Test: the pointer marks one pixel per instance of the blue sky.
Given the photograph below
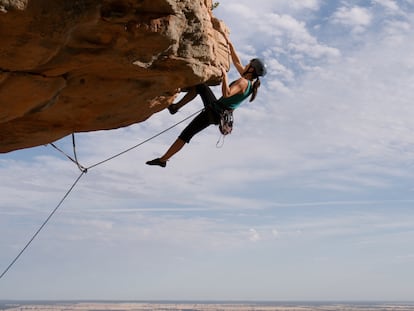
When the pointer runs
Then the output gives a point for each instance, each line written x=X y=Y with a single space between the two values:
x=311 y=197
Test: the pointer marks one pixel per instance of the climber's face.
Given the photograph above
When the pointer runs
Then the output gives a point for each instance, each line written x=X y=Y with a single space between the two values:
x=249 y=72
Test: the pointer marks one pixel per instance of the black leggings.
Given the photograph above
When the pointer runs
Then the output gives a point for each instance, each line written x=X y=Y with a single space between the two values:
x=205 y=118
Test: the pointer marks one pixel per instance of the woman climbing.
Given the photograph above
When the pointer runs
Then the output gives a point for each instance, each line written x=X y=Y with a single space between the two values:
x=233 y=95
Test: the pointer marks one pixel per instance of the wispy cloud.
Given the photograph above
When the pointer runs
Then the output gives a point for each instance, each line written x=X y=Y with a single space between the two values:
x=357 y=18
x=390 y=5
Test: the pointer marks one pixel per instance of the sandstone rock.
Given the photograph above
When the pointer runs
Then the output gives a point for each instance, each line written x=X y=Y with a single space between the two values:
x=85 y=65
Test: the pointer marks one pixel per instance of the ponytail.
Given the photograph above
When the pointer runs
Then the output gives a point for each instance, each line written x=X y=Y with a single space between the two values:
x=256 y=85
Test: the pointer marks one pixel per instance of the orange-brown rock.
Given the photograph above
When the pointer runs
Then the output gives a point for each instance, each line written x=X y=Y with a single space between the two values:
x=83 y=65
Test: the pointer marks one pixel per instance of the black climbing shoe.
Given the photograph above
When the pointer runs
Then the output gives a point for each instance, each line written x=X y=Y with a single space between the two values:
x=158 y=162
x=172 y=109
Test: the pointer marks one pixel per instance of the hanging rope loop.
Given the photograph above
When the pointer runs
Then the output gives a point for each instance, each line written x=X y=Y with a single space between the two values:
x=75 y=159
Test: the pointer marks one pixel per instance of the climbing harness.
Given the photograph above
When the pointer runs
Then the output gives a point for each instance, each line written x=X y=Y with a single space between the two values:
x=84 y=170
x=226 y=122
x=225 y=126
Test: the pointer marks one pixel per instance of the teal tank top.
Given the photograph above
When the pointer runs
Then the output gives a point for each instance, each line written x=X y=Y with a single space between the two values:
x=232 y=102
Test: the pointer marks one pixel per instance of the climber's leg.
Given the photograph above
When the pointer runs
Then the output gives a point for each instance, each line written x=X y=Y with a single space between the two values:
x=206 y=94
x=200 y=122
x=191 y=94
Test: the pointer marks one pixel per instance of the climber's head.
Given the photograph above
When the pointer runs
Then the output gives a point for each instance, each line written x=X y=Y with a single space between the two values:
x=258 y=66
x=255 y=69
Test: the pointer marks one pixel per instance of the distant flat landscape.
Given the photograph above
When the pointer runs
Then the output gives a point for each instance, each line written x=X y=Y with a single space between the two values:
x=204 y=306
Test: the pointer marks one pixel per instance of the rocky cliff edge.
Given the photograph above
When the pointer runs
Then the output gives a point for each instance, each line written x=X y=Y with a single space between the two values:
x=84 y=65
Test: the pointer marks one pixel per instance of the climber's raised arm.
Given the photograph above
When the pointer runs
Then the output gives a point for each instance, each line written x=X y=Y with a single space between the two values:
x=235 y=58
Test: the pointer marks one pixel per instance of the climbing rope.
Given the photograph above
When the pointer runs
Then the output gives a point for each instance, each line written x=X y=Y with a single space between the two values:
x=220 y=141
x=145 y=141
x=84 y=170
x=43 y=224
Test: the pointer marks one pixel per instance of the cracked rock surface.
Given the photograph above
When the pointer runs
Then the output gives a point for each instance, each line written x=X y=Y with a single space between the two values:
x=86 y=65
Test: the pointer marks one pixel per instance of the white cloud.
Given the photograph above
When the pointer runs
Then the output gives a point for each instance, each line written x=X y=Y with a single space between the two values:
x=357 y=18
x=275 y=233
x=276 y=34
x=304 y=4
x=390 y=5
x=395 y=31
x=254 y=236
x=266 y=6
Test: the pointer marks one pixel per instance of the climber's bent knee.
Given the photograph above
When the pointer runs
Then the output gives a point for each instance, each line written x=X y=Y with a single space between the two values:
x=184 y=138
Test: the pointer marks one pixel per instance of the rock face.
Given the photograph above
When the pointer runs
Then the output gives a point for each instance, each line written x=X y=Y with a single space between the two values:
x=83 y=65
